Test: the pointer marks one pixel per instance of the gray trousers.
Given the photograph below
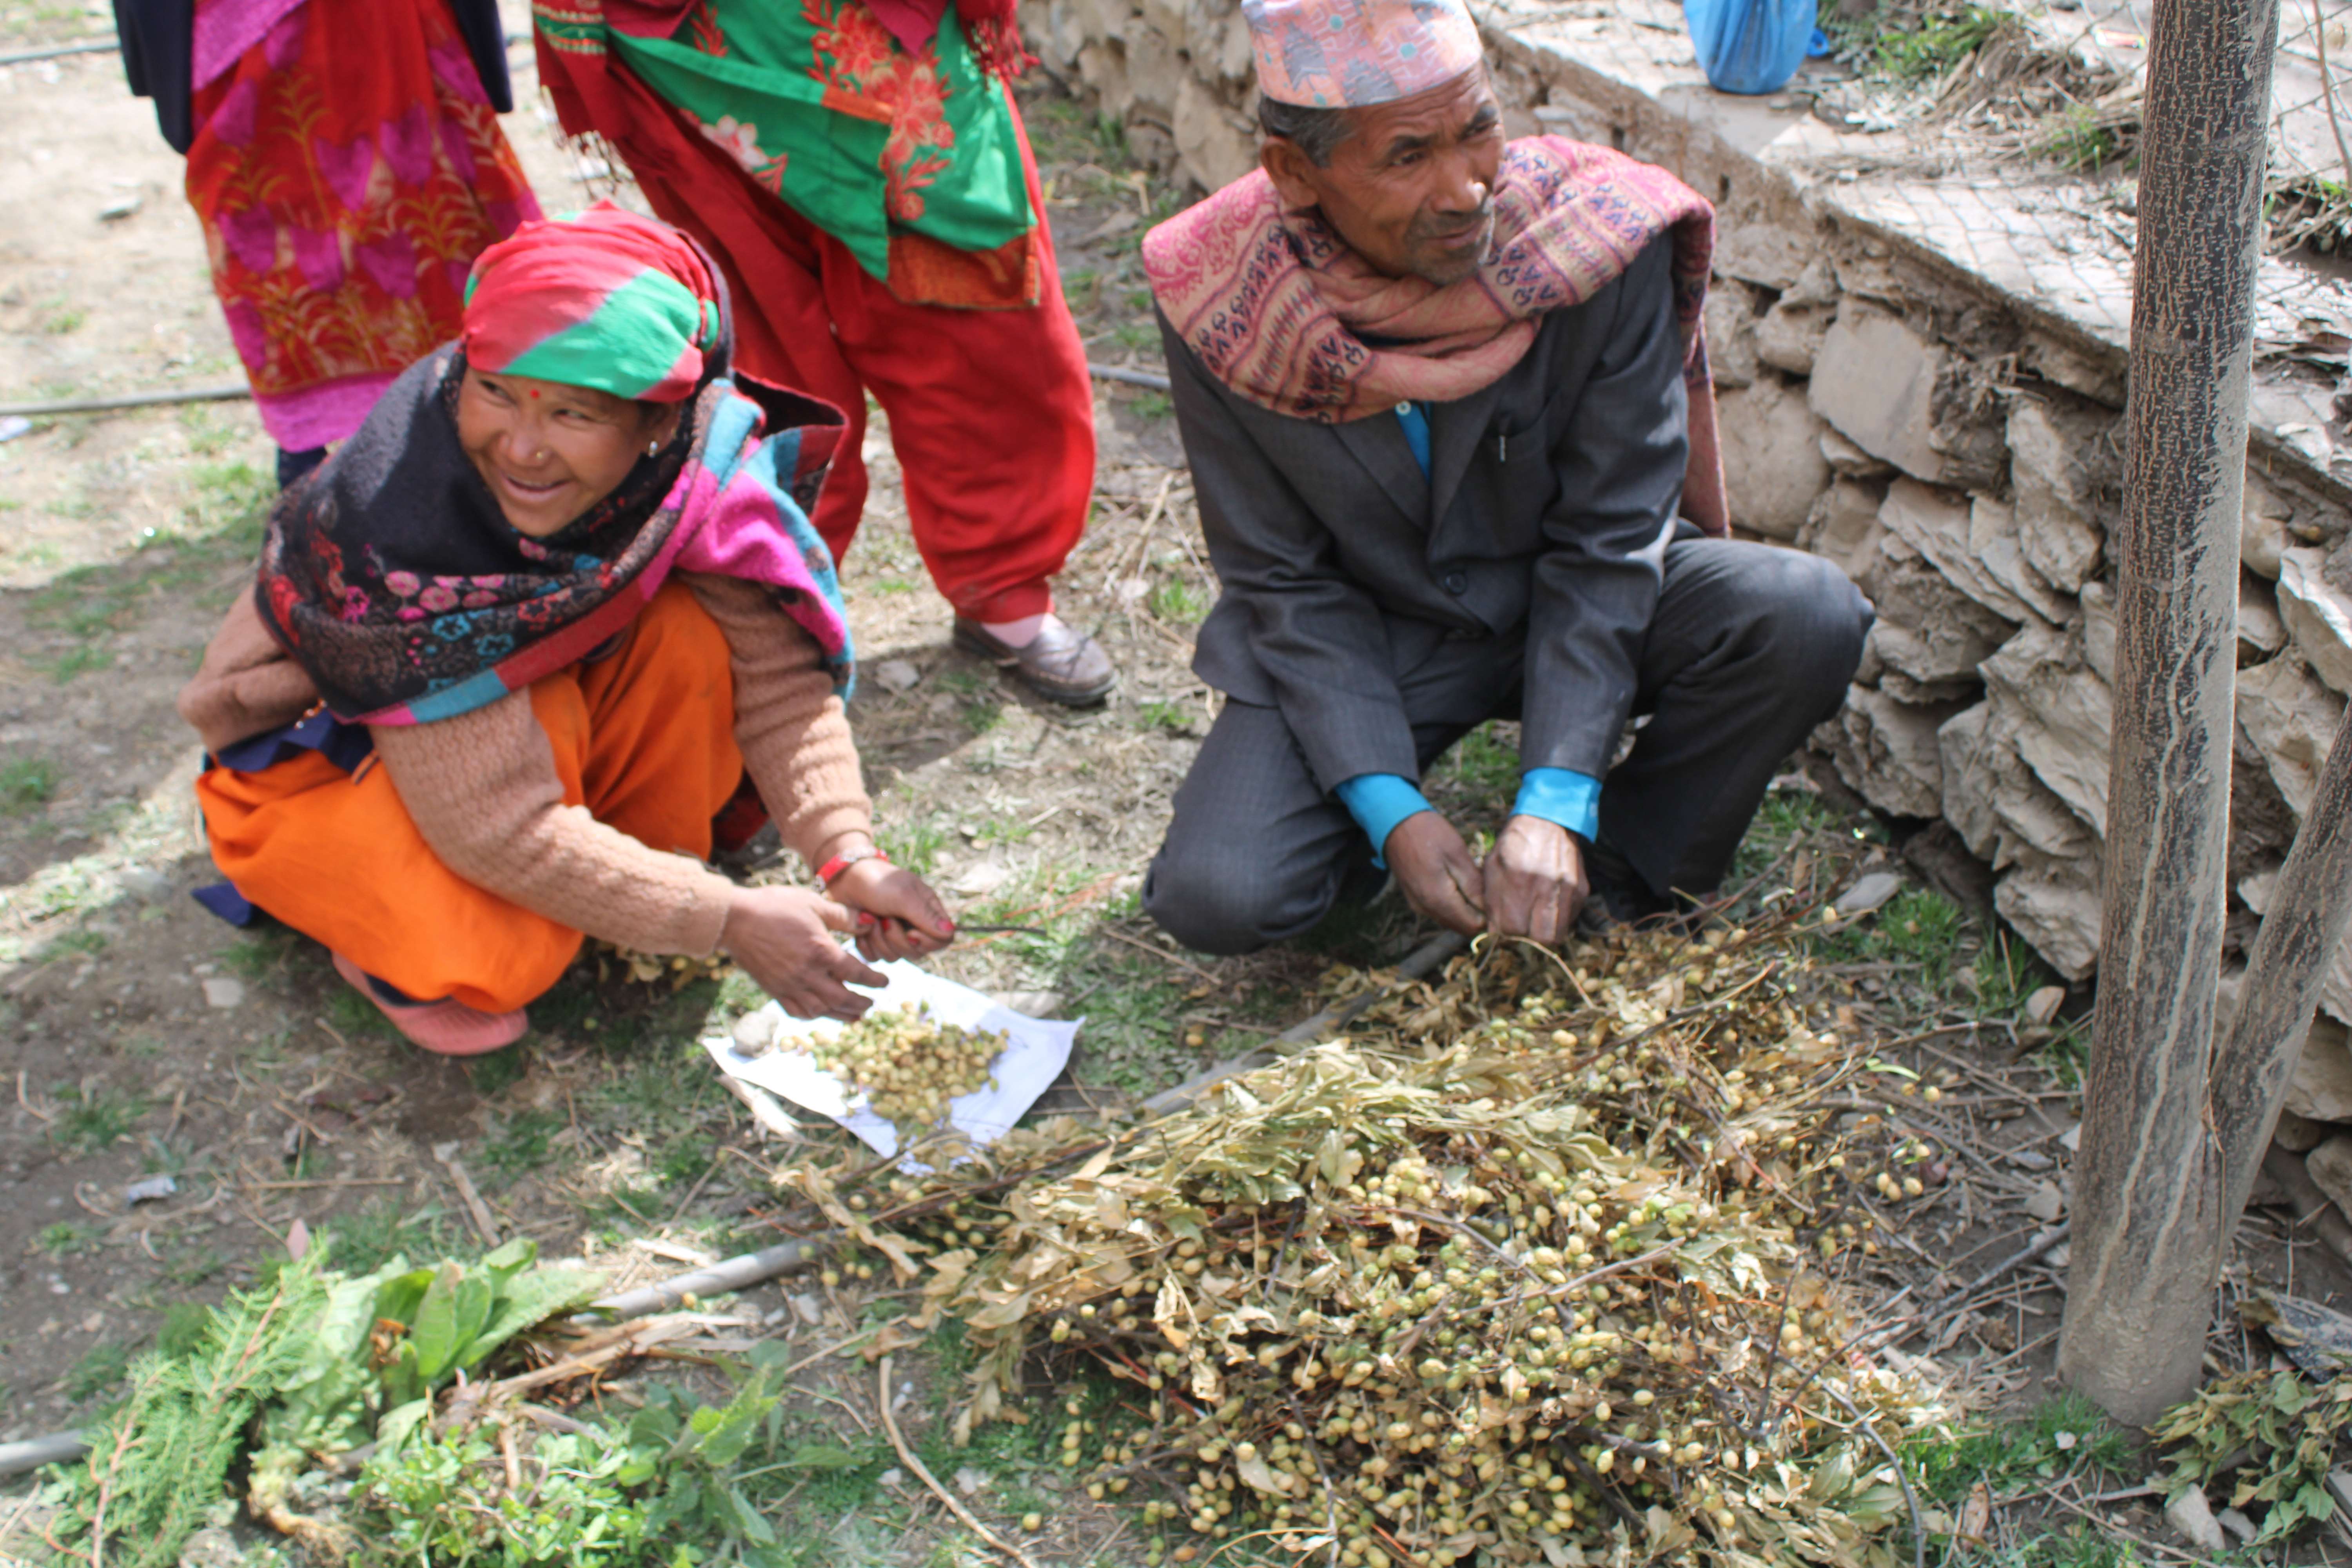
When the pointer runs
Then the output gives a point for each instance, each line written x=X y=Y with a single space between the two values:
x=1750 y=648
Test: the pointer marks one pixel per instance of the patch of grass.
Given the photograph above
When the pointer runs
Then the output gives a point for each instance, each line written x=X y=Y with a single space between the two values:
x=27 y=783
x=1147 y=406
x=887 y=586
x=352 y=1016
x=370 y=1238
x=190 y=1267
x=498 y=1071
x=208 y=432
x=1912 y=43
x=1482 y=765
x=61 y=319
x=1172 y=716
x=982 y=714
x=100 y=1369
x=89 y=1121
x=89 y=943
x=80 y=660
x=1179 y=603
x=66 y=1238
x=914 y=846
x=2075 y=138
x=1132 y=1038
x=521 y=1141
x=1002 y=830
x=231 y=498
x=259 y=951
x=2065 y=1435
x=1917 y=927
x=1787 y=817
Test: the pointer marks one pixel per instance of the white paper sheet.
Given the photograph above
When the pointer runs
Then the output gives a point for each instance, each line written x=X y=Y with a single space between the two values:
x=1035 y=1051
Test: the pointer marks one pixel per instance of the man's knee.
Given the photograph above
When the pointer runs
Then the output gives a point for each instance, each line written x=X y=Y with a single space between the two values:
x=1216 y=898
x=1809 y=621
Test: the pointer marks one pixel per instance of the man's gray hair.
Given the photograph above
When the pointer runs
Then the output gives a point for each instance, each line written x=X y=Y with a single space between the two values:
x=1317 y=131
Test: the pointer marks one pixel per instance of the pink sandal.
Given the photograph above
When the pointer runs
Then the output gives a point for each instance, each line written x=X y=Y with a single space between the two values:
x=446 y=1028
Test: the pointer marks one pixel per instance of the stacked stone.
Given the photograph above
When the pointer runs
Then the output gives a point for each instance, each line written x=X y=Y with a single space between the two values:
x=1175 y=73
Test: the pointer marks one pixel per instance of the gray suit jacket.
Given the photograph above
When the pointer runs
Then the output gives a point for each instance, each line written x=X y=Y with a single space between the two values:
x=1550 y=500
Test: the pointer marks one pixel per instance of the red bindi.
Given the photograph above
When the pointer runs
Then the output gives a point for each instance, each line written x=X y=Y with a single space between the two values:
x=534 y=392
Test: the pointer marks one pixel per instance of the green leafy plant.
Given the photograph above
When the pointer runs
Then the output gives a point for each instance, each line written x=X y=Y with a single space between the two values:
x=156 y=1464
x=2282 y=1428
x=686 y=1453
x=455 y=1315
x=432 y=1498
x=670 y=1487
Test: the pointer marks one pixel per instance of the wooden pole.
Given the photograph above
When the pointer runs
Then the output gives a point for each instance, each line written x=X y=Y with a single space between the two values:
x=2147 y=1211
x=2309 y=915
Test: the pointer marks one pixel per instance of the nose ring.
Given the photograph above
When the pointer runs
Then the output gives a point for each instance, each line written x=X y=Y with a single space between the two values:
x=540 y=455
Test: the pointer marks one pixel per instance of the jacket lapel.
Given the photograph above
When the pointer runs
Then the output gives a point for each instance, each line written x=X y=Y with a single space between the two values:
x=1456 y=430
x=1379 y=444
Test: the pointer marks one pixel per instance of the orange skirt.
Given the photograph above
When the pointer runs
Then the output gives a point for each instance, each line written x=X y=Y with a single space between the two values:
x=644 y=738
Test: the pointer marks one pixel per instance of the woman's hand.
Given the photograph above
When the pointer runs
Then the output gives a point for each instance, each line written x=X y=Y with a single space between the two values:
x=904 y=918
x=783 y=938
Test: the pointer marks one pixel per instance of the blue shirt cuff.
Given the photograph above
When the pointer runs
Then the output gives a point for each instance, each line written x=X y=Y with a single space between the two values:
x=1558 y=794
x=1379 y=801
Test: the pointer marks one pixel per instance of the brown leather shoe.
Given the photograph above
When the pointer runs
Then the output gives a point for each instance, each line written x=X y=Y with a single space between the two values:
x=1061 y=664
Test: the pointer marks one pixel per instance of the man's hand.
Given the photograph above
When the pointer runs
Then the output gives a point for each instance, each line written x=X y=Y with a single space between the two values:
x=1534 y=881
x=1435 y=868
x=783 y=939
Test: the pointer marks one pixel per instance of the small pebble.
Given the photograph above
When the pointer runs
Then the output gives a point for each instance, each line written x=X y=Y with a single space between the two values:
x=222 y=992
x=896 y=674
x=146 y=884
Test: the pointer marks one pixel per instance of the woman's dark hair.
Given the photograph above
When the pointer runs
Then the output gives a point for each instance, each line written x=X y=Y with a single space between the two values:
x=1317 y=131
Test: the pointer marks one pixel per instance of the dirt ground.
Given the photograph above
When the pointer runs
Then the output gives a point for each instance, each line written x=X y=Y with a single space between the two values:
x=176 y=1097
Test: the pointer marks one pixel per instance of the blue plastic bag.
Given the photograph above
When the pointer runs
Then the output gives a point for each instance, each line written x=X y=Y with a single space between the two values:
x=1750 y=46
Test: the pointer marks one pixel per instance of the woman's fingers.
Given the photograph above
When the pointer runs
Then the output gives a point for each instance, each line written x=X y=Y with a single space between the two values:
x=843 y=966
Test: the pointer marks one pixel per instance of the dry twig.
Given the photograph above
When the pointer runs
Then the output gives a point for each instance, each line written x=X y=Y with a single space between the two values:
x=906 y=1457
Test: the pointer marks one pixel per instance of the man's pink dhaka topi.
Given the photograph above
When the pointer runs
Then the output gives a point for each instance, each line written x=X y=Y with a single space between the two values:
x=1352 y=54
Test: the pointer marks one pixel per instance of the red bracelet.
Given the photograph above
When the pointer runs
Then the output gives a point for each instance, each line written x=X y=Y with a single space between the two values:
x=845 y=860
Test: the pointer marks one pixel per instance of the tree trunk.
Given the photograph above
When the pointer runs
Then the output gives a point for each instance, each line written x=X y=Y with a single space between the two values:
x=2147 y=1181
x=2301 y=936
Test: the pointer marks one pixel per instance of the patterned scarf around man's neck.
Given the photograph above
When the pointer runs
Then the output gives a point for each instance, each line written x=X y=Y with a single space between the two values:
x=396 y=582
x=1283 y=311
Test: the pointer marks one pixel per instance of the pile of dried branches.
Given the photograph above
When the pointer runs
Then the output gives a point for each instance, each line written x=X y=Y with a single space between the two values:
x=1535 y=1268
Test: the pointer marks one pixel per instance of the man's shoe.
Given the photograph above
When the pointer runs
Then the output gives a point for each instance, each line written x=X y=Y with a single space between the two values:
x=1061 y=664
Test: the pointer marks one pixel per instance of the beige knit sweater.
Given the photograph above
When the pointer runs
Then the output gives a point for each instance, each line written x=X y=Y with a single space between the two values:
x=483 y=791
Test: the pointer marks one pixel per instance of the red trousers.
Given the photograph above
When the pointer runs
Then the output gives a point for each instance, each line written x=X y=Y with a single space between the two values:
x=991 y=414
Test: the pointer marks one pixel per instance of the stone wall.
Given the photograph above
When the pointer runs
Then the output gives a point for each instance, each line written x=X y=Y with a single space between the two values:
x=1953 y=447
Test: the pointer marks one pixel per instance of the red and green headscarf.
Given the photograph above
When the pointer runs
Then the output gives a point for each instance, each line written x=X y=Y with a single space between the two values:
x=604 y=299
